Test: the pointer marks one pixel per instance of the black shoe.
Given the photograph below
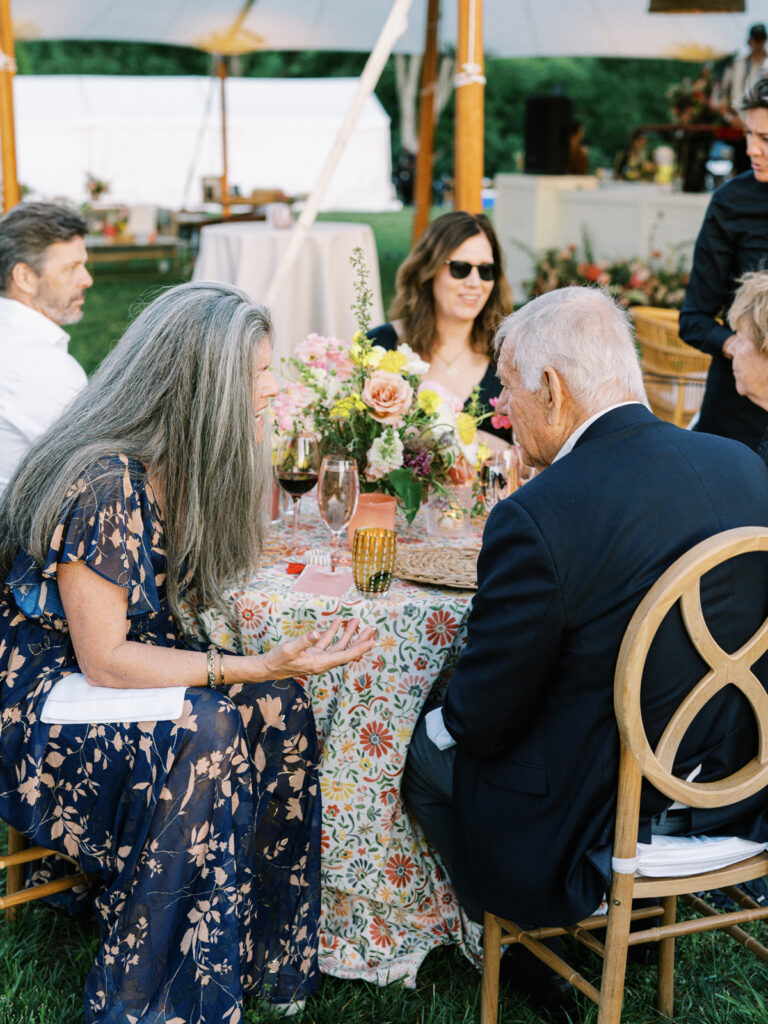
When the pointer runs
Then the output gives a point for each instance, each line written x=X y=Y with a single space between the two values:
x=533 y=979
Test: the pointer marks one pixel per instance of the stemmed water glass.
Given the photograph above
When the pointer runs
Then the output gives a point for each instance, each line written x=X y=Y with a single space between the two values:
x=498 y=477
x=337 y=493
x=296 y=469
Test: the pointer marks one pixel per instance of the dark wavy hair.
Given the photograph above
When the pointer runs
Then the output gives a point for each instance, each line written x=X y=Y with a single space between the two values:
x=414 y=302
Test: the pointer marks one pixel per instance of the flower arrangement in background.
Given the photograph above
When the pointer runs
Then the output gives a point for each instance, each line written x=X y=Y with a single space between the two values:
x=658 y=281
x=373 y=406
x=95 y=187
x=692 y=101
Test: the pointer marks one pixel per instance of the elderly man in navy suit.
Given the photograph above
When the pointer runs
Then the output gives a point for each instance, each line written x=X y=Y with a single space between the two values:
x=514 y=778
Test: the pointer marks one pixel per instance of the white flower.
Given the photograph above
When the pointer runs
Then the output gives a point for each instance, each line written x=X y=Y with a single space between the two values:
x=415 y=364
x=384 y=455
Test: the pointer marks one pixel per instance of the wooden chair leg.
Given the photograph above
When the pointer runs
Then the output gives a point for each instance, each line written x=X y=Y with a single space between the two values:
x=616 y=944
x=665 y=986
x=489 y=998
x=14 y=876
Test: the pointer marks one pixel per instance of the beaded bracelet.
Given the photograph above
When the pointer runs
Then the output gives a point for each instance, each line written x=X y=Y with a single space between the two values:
x=212 y=684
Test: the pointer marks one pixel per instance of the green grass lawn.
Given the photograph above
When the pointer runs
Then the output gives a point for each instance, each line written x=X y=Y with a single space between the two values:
x=45 y=956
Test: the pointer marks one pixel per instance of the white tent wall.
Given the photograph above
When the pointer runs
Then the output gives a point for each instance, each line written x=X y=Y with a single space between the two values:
x=143 y=136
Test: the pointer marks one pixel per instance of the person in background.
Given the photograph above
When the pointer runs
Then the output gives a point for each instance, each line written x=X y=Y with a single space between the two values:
x=182 y=781
x=43 y=281
x=636 y=163
x=740 y=75
x=733 y=240
x=451 y=295
x=577 y=150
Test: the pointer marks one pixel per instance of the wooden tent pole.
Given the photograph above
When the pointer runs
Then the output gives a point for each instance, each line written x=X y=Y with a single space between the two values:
x=221 y=71
x=470 y=94
x=11 y=195
x=425 y=158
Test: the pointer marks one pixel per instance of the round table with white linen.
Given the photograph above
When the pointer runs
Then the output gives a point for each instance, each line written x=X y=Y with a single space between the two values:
x=317 y=294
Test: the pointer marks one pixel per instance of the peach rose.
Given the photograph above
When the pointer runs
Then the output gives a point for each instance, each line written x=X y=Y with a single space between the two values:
x=388 y=396
x=461 y=472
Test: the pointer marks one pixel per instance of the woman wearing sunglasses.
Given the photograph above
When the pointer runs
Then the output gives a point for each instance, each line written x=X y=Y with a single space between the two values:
x=451 y=295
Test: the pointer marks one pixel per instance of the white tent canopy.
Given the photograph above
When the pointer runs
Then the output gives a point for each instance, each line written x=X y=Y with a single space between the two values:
x=149 y=136
x=512 y=28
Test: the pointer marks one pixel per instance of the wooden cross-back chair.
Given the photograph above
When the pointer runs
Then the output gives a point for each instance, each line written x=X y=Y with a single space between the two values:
x=680 y=582
x=675 y=374
x=19 y=854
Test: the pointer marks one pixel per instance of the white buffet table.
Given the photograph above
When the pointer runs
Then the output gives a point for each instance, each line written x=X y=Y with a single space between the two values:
x=319 y=290
x=535 y=212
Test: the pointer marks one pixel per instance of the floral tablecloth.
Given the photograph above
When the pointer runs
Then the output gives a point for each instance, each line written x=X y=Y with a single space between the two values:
x=386 y=898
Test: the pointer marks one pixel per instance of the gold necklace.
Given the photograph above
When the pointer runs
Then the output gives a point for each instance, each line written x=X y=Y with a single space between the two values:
x=450 y=369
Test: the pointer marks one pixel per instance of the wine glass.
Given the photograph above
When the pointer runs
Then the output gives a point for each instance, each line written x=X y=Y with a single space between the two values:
x=337 y=492
x=498 y=477
x=296 y=468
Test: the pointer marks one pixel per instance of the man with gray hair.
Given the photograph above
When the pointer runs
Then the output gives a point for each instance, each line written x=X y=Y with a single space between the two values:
x=513 y=779
x=43 y=280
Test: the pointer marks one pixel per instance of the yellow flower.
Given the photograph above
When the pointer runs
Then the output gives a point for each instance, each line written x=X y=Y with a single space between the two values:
x=428 y=401
x=344 y=408
x=361 y=355
x=483 y=454
x=466 y=427
x=393 y=362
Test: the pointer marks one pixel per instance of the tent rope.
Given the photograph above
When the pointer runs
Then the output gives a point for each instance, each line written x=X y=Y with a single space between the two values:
x=470 y=74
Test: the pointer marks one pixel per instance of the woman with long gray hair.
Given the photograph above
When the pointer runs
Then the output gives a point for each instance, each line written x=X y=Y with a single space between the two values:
x=182 y=781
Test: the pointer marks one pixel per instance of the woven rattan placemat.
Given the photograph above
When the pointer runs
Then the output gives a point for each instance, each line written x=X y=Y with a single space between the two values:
x=440 y=566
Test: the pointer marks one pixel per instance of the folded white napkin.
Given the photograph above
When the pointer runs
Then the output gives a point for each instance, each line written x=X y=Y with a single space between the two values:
x=73 y=701
x=436 y=730
x=692 y=855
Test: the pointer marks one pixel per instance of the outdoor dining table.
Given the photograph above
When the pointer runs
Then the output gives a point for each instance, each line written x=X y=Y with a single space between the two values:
x=386 y=899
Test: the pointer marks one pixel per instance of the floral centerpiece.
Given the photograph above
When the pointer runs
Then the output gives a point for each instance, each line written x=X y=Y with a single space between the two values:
x=372 y=405
x=658 y=281
x=692 y=100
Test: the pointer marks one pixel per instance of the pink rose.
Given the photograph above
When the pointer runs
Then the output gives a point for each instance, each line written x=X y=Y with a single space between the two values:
x=290 y=403
x=325 y=354
x=462 y=471
x=388 y=396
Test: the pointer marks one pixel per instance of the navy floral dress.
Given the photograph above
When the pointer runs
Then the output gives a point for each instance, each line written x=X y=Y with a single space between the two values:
x=201 y=835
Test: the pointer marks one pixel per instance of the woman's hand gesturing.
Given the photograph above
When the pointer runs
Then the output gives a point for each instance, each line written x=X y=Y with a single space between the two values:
x=315 y=652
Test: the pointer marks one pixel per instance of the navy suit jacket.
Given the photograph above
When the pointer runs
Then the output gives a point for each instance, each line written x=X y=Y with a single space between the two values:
x=565 y=562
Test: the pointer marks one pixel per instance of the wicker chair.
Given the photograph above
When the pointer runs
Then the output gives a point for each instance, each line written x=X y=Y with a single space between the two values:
x=675 y=374
x=680 y=583
x=19 y=854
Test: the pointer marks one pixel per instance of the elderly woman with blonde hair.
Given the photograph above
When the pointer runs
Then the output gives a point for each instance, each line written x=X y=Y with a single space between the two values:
x=182 y=781
x=748 y=318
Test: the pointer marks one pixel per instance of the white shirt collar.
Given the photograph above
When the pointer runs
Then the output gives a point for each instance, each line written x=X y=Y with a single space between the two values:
x=571 y=442
x=21 y=323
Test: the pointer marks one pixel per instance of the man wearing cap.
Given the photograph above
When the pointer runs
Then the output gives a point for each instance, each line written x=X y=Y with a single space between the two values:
x=740 y=74
x=43 y=280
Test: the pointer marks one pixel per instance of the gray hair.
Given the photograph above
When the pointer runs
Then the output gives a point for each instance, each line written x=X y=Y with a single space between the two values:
x=584 y=335
x=28 y=229
x=749 y=309
x=754 y=97
x=176 y=394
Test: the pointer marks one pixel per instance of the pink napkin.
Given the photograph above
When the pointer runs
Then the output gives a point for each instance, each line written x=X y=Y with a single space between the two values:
x=319 y=580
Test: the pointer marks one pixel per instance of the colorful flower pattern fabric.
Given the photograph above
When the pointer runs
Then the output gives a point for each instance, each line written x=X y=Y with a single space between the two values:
x=386 y=899
x=201 y=835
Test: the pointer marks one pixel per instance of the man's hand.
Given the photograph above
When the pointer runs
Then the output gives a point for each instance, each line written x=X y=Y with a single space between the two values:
x=750 y=370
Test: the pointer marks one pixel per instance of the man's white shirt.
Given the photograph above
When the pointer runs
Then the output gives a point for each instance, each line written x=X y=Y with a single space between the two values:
x=38 y=378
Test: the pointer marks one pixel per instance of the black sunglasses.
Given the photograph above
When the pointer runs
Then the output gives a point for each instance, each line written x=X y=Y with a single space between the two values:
x=461 y=269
